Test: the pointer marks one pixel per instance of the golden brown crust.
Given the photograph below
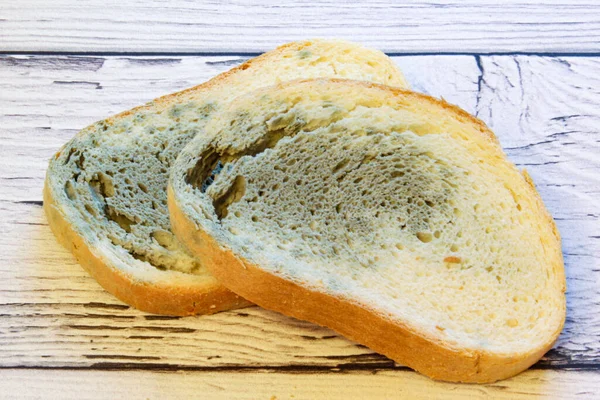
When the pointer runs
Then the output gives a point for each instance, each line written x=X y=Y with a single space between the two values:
x=168 y=298
x=252 y=63
x=168 y=99
x=457 y=112
x=158 y=298
x=428 y=355
x=555 y=260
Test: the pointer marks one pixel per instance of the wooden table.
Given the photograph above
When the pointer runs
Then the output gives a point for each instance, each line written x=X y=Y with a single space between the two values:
x=531 y=71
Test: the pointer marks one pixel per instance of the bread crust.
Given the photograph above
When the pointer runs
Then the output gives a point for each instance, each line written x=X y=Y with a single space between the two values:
x=429 y=355
x=170 y=296
x=161 y=103
x=165 y=292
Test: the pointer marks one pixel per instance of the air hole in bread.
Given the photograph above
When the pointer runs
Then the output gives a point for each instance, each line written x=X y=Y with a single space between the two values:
x=143 y=187
x=512 y=322
x=452 y=260
x=165 y=239
x=340 y=165
x=235 y=193
x=211 y=163
x=120 y=219
x=211 y=178
x=102 y=185
x=144 y=258
x=71 y=152
x=202 y=175
x=90 y=210
x=424 y=237
x=70 y=190
x=79 y=162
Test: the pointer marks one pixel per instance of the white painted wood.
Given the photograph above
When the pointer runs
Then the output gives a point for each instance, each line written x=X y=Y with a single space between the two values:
x=37 y=384
x=479 y=26
x=53 y=315
x=545 y=112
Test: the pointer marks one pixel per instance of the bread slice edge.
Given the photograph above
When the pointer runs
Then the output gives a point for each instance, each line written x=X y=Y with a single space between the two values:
x=428 y=355
x=173 y=293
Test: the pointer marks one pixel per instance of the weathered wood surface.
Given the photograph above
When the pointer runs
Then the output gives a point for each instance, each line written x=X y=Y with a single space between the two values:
x=546 y=114
x=53 y=316
x=481 y=26
x=79 y=385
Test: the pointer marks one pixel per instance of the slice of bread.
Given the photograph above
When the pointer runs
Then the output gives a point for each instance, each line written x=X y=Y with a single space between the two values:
x=105 y=190
x=389 y=216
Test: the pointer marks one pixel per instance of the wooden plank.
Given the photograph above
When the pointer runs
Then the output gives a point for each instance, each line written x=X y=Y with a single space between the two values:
x=545 y=111
x=417 y=26
x=69 y=384
x=53 y=315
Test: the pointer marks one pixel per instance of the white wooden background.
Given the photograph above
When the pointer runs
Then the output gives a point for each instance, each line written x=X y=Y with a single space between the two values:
x=531 y=70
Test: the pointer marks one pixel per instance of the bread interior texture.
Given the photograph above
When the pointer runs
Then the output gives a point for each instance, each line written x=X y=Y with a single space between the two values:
x=395 y=202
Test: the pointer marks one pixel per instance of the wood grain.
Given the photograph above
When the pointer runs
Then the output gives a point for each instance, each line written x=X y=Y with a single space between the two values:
x=481 y=26
x=74 y=384
x=546 y=113
x=53 y=316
